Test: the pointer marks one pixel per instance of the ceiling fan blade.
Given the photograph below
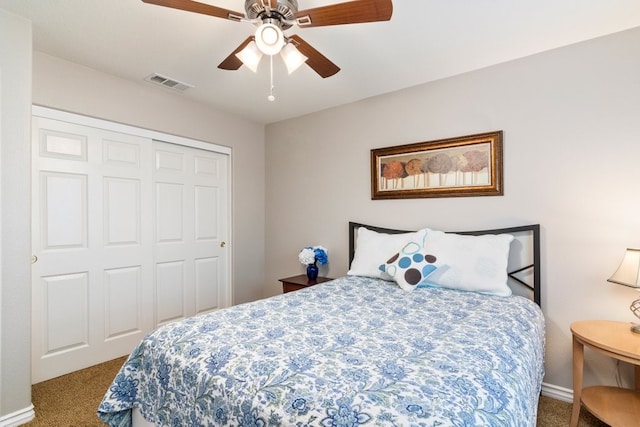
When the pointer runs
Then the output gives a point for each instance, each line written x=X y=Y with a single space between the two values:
x=317 y=61
x=351 y=12
x=232 y=62
x=196 y=7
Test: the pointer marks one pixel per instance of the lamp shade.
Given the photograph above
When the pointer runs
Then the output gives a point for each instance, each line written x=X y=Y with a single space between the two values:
x=292 y=57
x=250 y=56
x=628 y=272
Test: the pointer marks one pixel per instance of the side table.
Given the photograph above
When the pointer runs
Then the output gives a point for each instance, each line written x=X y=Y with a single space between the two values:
x=618 y=407
x=300 y=281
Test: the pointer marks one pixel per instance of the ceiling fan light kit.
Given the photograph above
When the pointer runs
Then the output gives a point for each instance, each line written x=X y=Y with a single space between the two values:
x=275 y=16
x=292 y=57
x=269 y=39
x=250 y=56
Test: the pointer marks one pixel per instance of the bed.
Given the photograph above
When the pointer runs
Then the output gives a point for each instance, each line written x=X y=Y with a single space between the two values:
x=360 y=349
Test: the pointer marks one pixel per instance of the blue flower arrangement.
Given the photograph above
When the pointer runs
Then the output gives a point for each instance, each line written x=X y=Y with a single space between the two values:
x=313 y=254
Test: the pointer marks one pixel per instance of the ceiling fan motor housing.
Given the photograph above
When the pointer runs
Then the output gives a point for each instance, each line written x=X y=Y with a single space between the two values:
x=285 y=10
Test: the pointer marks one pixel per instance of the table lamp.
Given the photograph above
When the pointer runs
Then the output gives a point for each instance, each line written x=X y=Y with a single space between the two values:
x=628 y=274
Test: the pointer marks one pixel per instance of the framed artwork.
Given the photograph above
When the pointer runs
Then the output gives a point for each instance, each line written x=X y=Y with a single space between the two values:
x=453 y=167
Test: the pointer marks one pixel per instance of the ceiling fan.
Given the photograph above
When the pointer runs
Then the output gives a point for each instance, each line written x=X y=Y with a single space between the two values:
x=272 y=17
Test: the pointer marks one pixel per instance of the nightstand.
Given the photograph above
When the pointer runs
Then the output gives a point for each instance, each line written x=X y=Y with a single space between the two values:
x=615 y=406
x=300 y=281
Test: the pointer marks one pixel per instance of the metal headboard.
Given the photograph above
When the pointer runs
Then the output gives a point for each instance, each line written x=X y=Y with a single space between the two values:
x=530 y=266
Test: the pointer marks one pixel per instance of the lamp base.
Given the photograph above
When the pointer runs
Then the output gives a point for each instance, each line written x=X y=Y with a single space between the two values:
x=635 y=309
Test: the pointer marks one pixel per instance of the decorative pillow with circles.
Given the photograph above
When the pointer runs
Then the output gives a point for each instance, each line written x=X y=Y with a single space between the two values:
x=411 y=265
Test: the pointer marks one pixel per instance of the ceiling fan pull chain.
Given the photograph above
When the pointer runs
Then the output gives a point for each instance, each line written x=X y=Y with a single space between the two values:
x=271 y=97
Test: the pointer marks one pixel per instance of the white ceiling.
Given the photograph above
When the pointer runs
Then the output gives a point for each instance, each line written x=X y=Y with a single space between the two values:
x=424 y=41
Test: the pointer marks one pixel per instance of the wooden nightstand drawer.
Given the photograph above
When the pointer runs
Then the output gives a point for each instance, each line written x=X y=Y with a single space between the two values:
x=300 y=281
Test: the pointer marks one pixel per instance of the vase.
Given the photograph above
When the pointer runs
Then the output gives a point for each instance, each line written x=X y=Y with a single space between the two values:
x=312 y=271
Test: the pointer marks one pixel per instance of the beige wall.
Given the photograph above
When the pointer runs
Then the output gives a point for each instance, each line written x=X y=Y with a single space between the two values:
x=66 y=86
x=571 y=150
x=15 y=266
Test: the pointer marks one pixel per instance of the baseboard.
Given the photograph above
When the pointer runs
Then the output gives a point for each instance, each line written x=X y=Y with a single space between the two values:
x=557 y=392
x=18 y=418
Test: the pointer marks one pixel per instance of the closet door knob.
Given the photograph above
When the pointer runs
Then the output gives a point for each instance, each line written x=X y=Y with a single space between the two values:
x=223 y=244
x=34 y=259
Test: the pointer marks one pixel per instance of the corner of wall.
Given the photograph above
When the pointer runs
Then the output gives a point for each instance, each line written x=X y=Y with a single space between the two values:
x=15 y=210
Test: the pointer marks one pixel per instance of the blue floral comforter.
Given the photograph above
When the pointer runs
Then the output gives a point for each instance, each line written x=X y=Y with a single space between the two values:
x=347 y=352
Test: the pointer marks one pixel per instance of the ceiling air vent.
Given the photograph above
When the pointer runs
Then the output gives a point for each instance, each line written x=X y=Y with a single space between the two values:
x=165 y=81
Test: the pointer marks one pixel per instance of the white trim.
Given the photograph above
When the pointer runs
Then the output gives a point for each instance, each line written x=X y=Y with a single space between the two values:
x=1 y=241
x=17 y=418
x=64 y=116
x=557 y=392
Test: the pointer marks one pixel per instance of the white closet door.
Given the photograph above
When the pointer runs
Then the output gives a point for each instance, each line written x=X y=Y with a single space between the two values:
x=190 y=190
x=124 y=241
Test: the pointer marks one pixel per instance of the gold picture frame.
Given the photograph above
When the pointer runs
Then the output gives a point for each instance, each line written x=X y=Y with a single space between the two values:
x=463 y=166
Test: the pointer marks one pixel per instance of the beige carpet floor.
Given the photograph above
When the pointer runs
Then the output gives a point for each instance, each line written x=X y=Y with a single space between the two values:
x=72 y=400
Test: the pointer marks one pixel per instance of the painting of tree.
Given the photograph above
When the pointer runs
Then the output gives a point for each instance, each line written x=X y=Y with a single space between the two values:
x=462 y=166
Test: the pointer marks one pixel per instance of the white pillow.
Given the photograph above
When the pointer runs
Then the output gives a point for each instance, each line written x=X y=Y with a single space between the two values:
x=373 y=249
x=470 y=263
x=411 y=265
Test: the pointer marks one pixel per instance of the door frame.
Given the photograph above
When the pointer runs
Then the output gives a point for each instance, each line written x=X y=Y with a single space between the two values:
x=79 y=119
